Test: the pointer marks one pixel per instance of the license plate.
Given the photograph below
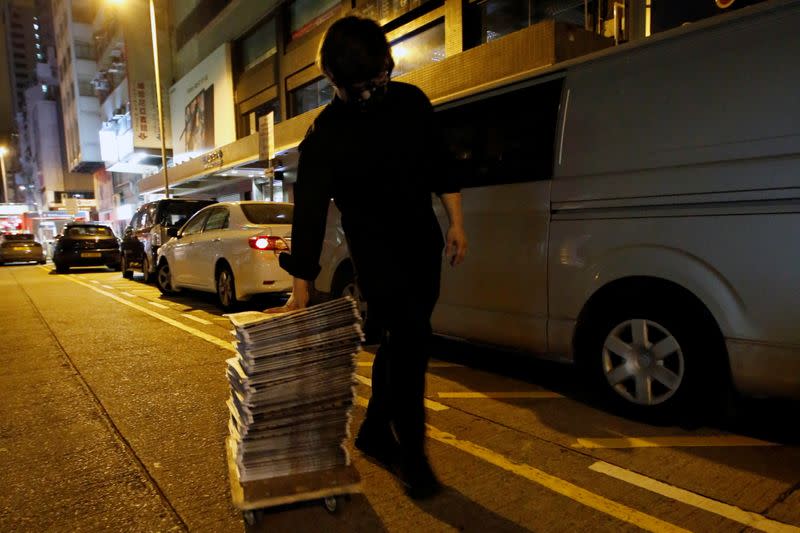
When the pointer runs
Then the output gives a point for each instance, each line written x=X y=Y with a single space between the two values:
x=18 y=248
x=91 y=254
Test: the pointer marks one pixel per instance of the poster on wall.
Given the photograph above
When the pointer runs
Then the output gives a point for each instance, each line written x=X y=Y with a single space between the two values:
x=202 y=107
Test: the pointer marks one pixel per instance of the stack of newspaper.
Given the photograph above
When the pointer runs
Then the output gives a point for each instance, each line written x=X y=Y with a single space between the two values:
x=292 y=388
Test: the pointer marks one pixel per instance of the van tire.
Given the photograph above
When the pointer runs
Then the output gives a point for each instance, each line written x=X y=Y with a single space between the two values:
x=62 y=268
x=148 y=275
x=164 y=279
x=652 y=356
x=123 y=266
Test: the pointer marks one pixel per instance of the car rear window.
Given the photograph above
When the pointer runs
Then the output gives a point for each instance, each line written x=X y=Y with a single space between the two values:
x=19 y=237
x=268 y=213
x=91 y=231
x=177 y=213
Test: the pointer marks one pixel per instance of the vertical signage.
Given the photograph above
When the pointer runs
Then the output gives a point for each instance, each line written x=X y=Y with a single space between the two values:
x=266 y=137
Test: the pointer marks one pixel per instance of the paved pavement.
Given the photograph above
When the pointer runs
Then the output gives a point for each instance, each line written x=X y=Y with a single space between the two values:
x=113 y=418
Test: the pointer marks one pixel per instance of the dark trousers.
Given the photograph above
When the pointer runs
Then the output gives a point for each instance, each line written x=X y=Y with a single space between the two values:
x=400 y=301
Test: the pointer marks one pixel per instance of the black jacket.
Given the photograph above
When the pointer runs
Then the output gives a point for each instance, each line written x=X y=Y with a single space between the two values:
x=380 y=167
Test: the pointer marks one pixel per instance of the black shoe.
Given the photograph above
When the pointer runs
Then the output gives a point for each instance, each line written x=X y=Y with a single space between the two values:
x=418 y=478
x=380 y=446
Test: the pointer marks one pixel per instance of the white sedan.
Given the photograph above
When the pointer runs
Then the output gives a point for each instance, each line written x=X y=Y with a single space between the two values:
x=230 y=248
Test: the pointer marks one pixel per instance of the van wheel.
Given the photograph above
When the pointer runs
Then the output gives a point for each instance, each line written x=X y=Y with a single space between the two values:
x=148 y=274
x=164 y=279
x=127 y=273
x=226 y=289
x=62 y=268
x=344 y=284
x=651 y=359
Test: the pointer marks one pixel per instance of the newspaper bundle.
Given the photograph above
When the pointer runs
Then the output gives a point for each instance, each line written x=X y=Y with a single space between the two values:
x=292 y=388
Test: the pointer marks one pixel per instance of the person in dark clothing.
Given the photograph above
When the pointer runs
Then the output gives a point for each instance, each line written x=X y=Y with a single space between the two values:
x=376 y=151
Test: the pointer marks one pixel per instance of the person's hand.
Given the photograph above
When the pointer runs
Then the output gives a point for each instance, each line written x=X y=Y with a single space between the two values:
x=301 y=293
x=456 y=245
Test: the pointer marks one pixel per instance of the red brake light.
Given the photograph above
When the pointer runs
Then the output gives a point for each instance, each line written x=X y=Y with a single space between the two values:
x=268 y=242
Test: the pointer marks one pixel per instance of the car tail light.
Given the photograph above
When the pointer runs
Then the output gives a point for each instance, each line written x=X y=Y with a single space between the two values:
x=268 y=242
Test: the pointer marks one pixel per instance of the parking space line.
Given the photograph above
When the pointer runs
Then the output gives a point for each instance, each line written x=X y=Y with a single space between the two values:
x=430 y=404
x=160 y=306
x=730 y=512
x=200 y=320
x=533 y=395
x=672 y=442
x=108 y=287
x=225 y=345
x=94 y=281
x=128 y=294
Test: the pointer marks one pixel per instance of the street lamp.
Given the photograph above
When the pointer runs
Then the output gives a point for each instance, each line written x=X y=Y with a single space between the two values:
x=3 y=152
x=158 y=92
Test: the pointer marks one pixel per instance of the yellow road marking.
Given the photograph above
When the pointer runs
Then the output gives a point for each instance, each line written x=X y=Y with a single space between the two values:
x=558 y=485
x=94 y=281
x=202 y=321
x=108 y=287
x=430 y=404
x=536 y=395
x=671 y=442
x=156 y=304
x=731 y=512
x=128 y=294
x=225 y=345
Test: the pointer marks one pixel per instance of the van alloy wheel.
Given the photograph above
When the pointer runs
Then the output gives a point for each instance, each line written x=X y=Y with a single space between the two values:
x=643 y=362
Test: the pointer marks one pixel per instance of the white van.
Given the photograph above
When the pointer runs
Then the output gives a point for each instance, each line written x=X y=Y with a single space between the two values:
x=637 y=211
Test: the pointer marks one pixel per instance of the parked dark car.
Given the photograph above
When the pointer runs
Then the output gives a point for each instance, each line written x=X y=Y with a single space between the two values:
x=20 y=248
x=86 y=244
x=148 y=230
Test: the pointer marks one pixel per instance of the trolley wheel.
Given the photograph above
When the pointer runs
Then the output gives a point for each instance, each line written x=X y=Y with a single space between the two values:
x=331 y=503
x=252 y=517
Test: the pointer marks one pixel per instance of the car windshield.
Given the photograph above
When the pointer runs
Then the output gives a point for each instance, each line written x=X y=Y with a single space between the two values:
x=177 y=213
x=89 y=231
x=19 y=237
x=268 y=213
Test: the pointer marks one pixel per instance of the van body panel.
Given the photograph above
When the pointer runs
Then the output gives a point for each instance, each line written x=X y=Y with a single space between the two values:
x=728 y=92
x=499 y=294
x=762 y=369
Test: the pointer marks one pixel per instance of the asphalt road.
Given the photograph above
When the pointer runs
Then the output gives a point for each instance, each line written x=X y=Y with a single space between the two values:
x=113 y=418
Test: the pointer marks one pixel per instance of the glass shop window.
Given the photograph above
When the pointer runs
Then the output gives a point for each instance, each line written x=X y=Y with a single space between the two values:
x=418 y=49
x=310 y=96
x=259 y=45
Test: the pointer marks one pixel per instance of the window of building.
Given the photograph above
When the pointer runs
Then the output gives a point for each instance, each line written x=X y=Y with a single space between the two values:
x=494 y=141
x=310 y=96
x=418 y=49
x=84 y=51
x=258 y=45
x=251 y=117
x=305 y=15
x=487 y=20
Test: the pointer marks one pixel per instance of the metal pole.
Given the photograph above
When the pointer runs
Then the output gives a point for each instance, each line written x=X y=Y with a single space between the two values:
x=158 y=97
x=3 y=166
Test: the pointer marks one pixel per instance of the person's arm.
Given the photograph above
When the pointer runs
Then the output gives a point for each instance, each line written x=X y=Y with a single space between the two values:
x=312 y=194
x=456 y=238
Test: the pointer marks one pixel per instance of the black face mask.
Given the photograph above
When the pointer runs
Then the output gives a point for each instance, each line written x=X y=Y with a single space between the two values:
x=374 y=90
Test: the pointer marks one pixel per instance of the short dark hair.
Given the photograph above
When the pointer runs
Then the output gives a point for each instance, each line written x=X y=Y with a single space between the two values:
x=353 y=50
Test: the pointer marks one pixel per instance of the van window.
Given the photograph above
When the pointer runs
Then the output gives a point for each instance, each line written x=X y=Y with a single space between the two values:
x=175 y=213
x=506 y=138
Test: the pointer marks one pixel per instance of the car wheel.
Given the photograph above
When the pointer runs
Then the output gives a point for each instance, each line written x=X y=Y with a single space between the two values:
x=652 y=359
x=146 y=271
x=344 y=284
x=62 y=268
x=123 y=266
x=164 y=279
x=226 y=289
